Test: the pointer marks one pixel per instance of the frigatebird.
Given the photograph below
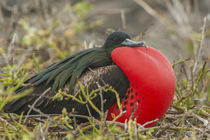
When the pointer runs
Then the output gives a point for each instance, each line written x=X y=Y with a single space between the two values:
x=129 y=67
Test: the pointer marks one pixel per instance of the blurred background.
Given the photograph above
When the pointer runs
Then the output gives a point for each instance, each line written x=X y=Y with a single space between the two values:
x=52 y=29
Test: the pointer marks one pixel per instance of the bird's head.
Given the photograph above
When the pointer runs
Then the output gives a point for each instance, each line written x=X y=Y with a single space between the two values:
x=120 y=39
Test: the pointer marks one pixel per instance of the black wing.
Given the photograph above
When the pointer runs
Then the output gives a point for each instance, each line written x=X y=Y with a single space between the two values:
x=70 y=69
x=110 y=75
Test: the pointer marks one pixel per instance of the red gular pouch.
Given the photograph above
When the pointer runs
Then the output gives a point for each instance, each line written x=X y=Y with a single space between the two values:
x=152 y=84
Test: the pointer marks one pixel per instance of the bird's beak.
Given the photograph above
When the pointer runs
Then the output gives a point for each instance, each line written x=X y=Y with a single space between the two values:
x=130 y=43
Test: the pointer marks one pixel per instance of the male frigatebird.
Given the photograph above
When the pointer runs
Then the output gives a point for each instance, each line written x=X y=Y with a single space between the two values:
x=141 y=75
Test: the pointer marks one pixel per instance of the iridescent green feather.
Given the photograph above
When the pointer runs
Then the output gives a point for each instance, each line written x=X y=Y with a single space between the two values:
x=71 y=68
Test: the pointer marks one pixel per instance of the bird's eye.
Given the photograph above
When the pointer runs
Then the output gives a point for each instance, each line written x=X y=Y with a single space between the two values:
x=115 y=39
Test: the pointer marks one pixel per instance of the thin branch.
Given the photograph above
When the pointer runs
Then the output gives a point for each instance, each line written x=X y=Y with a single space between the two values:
x=152 y=12
x=149 y=122
x=134 y=110
x=201 y=44
x=33 y=105
x=7 y=123
x=41 y=132
x=205 y=122
x=123 y=19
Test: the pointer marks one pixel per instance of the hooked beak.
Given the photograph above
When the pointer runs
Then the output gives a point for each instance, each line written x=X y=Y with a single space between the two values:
x=130 y=43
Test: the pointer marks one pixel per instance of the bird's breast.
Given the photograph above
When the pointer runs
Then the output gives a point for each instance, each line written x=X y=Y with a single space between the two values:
x=152 y=83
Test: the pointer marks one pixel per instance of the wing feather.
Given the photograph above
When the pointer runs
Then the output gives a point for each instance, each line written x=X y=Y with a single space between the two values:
x=58 y=75
x=108 y=75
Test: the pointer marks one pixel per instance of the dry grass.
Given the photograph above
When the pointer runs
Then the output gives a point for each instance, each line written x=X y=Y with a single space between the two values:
x=31 y=46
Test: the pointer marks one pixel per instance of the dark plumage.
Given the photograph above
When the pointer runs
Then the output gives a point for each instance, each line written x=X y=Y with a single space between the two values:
x=90 y=67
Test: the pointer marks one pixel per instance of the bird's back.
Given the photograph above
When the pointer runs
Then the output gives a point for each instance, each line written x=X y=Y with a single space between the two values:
x=99 y=79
